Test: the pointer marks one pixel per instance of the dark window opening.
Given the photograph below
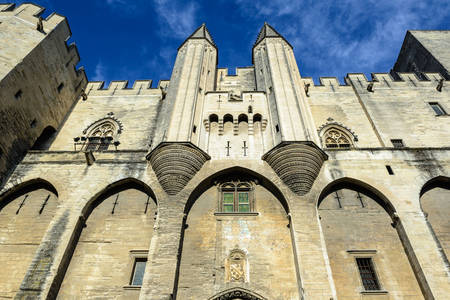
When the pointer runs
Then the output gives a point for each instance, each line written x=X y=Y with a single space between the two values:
x=389 y=169
x=277 y=128
x=138 y=271
x=18 y=94
x=242 y=118
x=367 y=273
x=60 y=87
x=397 y=143
x=33 y=123
x=213 y=118
x=228 y=118
x=194 y=129
x=45 y=139
x=439 y=111
x=257 y=118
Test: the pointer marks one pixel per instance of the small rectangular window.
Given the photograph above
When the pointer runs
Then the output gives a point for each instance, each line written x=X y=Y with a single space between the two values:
x=439 y=111
x=397 y=143
x=138 y=271
x=33 y=123
x=194 y=129
x=277 y=128
x=60 y=87
x=18 y=94
x=367 y=272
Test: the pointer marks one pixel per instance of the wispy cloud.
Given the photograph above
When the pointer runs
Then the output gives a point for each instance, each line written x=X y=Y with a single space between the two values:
x=349 y=35
x=100 y=72
x=177 y=18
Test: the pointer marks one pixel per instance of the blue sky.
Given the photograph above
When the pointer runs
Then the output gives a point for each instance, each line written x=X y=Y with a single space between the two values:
x=129 y=40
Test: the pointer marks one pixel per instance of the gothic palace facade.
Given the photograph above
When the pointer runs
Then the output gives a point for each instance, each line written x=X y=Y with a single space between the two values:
x=259 y=185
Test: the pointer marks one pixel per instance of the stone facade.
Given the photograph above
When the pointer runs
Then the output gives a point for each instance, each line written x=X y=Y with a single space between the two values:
x=259 y=185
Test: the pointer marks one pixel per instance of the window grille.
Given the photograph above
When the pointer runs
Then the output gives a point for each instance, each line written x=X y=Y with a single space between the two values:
x=236 y=197
x=397 y=143
x=366 y=271
x=336 y=139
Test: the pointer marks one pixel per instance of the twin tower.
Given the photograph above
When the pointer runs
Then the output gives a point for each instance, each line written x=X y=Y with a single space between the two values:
x=197 y=96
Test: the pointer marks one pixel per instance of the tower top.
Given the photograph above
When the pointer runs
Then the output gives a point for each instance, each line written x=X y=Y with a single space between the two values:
x=268 y=31
x=201 y=33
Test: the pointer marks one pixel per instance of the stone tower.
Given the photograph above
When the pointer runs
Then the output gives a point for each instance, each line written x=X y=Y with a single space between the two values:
x=39 y=81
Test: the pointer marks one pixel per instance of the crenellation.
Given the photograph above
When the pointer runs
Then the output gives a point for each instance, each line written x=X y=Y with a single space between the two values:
x=122 y=87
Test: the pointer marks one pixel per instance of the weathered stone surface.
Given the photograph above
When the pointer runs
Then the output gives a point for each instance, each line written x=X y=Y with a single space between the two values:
x=177 y=143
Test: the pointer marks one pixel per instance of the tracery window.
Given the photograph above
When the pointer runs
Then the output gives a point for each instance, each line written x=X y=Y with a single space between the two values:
x=100 y=137
x=334 y=138
x=236 y=197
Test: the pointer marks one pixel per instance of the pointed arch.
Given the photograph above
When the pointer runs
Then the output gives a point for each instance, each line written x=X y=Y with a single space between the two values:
x=439 y=181
x=235 y=172
x=336 y=135
x=88 y=213
x=25 y=187
x=101 y=133
x=358 y=186
x=114 y=188
x=239 y=293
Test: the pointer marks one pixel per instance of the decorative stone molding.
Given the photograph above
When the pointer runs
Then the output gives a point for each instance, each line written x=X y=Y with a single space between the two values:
x=297 y=164
x=331 y=122
x=237 y=293
x=175 y=163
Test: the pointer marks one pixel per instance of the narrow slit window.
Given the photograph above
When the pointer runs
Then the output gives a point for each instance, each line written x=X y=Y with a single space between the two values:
x=194 y=129
x=389 y=169
x=438 y=110
x=60 y=87
x=397 y=143
x=277 y=128
x=18 y=94
x=138 y=271
x=367 y=272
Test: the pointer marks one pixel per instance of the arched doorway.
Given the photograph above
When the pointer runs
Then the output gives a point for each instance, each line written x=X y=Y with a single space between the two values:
x=110 y=256
x=364 y=249
x=435 y=203
x=25 y=213
x=237 y=233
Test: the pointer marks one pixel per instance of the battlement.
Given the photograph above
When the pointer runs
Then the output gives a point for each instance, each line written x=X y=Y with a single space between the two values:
x=30 y=12
x=121 y=87
x=402 y=80
x=330 y=84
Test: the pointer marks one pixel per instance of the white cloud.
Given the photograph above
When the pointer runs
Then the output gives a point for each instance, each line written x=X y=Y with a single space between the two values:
x=349 y=35
x=177 y=18
x=100 y=72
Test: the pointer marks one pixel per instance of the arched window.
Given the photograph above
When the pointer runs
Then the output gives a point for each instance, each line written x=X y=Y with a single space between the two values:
x=213 y=118
x=257 y=118
x=227 y=118
x=101 y=134
x=335 y=138
x=236 y=197
x=100 y=137
x=242 y=118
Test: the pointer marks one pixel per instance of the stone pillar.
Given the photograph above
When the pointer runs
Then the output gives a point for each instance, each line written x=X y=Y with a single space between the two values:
x=161 y=275
x=423 y=254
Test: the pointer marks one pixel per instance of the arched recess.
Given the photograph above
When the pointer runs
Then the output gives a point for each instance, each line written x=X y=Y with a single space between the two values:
x=114 y=233
x=25 y=213
x=44 y=141
x=237 y=293
x=365 y=239
x=213 y=236
x=435 y=203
